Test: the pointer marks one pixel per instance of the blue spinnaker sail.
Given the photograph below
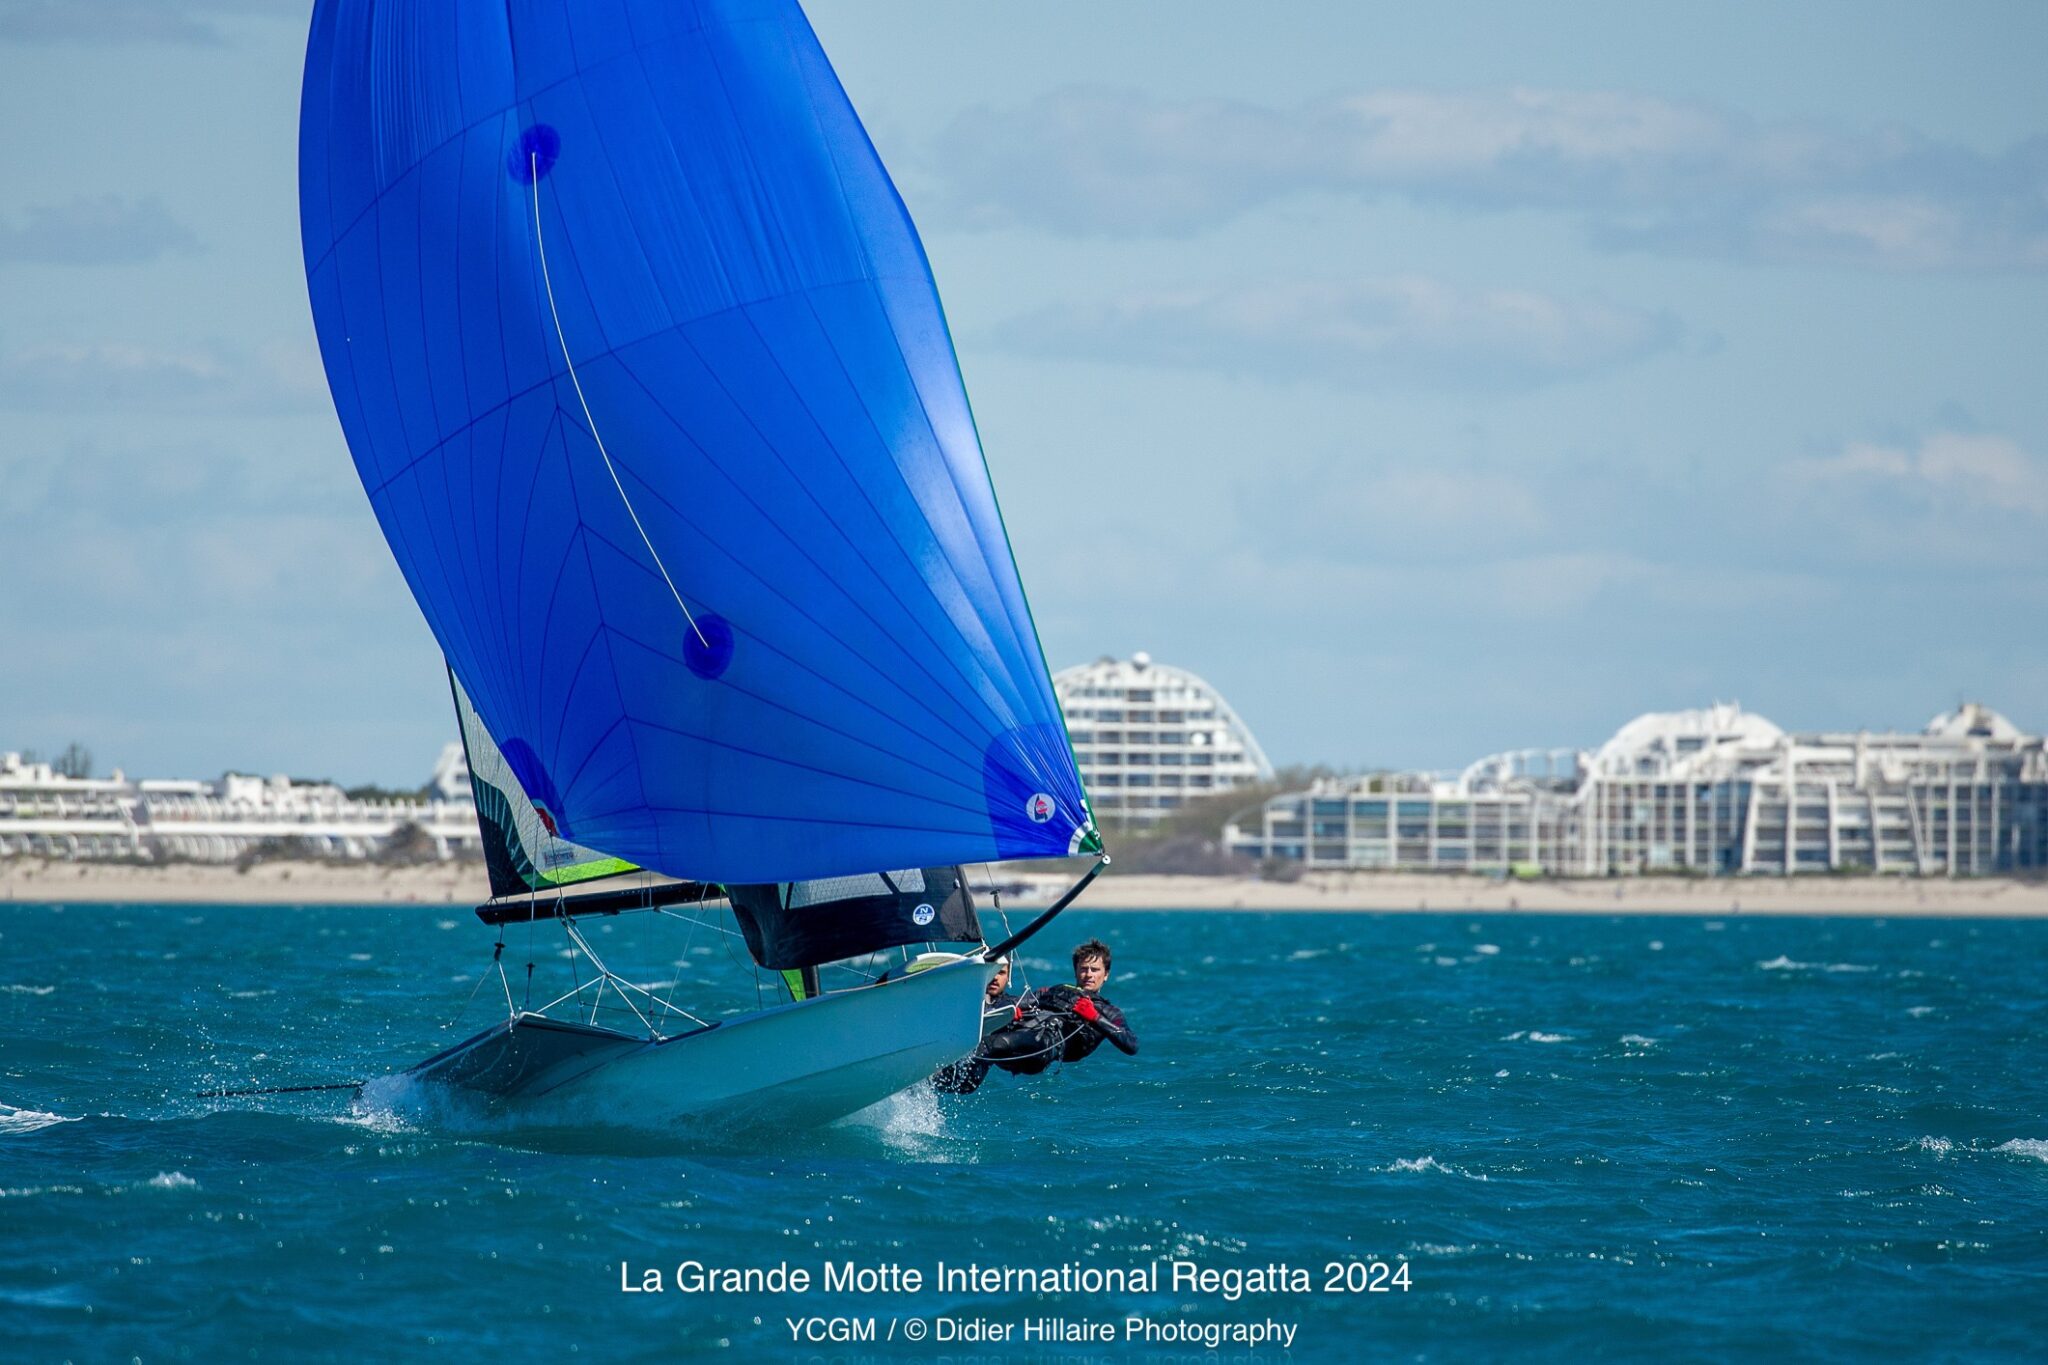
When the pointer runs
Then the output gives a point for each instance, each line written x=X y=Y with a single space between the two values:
x=642 y=365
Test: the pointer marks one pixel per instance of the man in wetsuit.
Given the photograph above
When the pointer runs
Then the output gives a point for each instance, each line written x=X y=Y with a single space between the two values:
x=1053 y=1023
x=999 y=994
x=999 y=1002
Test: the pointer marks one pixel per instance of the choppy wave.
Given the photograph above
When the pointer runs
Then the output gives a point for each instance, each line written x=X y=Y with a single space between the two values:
x=57 y=1296
x=1252 y=1144
x=911 y=1122
x=1781 y=963
x=14 y=1120
x=28 y=990
x=1423 y=1164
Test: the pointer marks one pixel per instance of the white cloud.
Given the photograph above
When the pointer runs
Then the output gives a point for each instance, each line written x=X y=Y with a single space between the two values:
x=1639 y=171
x=1409 y=511
x=96 y=230
x=1486 y=590
x=1954 y=503
x=123 y=22
x=1354 y=334
x=1975 y=472
x=96 y=377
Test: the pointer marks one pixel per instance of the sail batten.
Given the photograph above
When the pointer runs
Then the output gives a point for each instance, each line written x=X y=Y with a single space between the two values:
x=641 y=362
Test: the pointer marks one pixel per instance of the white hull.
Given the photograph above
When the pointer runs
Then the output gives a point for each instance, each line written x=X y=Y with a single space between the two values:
x=794 y=1065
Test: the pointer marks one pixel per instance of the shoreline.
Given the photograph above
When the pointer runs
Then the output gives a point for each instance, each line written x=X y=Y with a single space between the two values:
x=461 y=885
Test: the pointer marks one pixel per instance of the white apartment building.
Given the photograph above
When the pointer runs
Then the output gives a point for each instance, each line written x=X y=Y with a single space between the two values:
x=43 y=812
x=1149 y=737
x=1715 y=791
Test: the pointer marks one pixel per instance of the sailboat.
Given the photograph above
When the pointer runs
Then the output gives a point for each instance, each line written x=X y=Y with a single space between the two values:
x=641 y=362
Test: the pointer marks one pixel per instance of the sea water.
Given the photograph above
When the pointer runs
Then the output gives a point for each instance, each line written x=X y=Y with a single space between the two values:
x=1822 y=1139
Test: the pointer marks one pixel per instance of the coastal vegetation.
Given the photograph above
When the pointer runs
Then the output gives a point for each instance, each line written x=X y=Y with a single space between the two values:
x=1189 y=841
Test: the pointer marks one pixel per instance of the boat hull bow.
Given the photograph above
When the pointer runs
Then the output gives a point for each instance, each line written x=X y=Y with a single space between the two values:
x=795 y=1065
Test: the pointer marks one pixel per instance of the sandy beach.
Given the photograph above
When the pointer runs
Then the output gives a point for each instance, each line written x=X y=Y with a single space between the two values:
x=463 y=884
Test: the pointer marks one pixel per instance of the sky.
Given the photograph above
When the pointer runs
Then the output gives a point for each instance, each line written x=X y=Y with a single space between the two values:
x=1433 y=380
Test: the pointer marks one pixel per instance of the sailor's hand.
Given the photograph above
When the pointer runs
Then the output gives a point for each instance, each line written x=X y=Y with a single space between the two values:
x=1085 y=1007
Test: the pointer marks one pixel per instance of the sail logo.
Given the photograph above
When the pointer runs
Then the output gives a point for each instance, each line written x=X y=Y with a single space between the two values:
x=1040 y=808
x=924 y=914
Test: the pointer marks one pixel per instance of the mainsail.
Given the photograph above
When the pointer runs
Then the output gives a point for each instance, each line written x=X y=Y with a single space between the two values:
x=643 y=368
x=523 y=851
x=806 y=924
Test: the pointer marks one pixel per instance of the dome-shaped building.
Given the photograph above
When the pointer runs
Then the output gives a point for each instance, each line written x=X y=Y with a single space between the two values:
x=1972 y=720
x=1150 y=738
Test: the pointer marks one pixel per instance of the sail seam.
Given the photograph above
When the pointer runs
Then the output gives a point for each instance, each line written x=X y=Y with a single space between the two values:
x=541 y=247
x=993 y=725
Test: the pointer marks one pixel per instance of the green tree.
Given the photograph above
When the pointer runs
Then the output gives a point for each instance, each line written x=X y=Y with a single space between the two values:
x=1190 y=839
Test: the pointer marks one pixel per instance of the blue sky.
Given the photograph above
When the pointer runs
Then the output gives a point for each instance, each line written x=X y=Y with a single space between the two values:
x=1434 y=381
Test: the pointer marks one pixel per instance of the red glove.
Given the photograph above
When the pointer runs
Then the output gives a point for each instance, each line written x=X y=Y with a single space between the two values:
x=1085 y=1007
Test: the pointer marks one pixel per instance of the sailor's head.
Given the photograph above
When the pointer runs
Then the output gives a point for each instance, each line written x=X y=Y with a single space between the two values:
x=1000 y=982
x=1091 y=965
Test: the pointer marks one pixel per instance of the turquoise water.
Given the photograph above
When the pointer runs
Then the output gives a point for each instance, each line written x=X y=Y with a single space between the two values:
x=1811 y=1139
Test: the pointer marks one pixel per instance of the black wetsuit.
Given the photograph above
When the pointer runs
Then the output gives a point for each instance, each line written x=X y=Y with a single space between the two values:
x=1047 y=1030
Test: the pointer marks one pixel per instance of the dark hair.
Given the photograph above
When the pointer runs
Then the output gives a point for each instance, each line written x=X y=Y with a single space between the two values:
x=1094 y=947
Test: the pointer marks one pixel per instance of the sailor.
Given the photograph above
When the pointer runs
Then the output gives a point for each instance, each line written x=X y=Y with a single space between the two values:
x=1053 y=1023
x=999 y=996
